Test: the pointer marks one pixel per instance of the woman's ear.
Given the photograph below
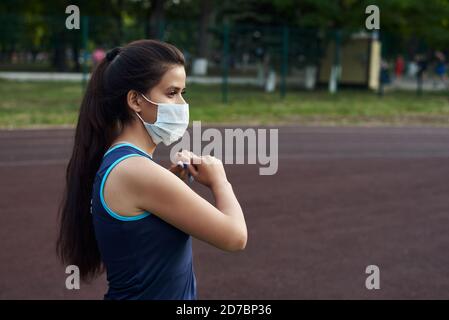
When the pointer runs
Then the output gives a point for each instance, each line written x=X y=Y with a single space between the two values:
x=134 y=100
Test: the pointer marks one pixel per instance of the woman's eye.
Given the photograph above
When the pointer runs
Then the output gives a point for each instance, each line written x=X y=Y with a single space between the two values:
x=173 y=93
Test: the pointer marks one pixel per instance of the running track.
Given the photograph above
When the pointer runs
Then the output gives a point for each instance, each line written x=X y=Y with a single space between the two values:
x=343 y=199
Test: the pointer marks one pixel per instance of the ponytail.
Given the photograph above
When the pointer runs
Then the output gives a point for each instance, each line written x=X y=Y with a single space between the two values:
x=76 y=244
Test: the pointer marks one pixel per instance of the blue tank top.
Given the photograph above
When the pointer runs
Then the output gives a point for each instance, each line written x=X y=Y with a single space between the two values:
x=145 y=257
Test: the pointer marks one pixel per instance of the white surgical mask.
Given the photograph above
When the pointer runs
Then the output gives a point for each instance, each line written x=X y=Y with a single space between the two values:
x=171 y=122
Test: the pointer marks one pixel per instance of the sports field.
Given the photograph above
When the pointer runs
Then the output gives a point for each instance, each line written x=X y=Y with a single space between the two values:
x=342 y=199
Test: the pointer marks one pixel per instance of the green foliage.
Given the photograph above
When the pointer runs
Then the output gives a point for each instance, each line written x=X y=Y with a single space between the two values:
x=38 y=24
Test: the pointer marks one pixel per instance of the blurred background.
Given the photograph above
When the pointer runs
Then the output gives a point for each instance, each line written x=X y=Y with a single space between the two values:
x=363 y=137
x=258 y=52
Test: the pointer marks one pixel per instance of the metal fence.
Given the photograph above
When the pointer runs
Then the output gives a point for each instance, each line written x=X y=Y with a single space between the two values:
x=244 y=54
x=269 y=57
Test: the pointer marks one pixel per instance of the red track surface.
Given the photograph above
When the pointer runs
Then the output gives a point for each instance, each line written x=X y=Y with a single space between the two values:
x=343 y=199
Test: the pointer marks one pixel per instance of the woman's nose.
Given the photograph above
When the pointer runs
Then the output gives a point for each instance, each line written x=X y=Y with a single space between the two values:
x=181 y=100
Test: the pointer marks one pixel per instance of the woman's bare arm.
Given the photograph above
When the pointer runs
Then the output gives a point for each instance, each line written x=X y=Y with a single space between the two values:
x=155 y=189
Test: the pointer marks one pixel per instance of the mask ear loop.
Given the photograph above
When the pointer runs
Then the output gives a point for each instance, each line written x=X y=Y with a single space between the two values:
x=149 y=102
x=139 y=116
x=148 y=99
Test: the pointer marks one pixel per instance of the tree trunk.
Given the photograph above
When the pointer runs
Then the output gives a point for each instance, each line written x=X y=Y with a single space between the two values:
x=119 y=37
x=59 y=62
x=75 y=55
x=156 y=18
x=207 y=11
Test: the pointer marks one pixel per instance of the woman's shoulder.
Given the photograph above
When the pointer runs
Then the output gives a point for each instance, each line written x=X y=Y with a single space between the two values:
x=135 y=167
x=128 y=179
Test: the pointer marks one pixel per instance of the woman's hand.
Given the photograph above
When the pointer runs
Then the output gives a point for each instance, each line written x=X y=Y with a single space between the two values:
x=183 y=160
x=207 y=170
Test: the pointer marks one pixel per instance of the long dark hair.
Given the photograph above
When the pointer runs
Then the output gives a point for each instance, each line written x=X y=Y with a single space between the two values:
x=138 y=66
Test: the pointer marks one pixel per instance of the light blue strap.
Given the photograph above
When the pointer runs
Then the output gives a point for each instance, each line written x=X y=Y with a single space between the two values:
x=126 y=144
x=103 y=202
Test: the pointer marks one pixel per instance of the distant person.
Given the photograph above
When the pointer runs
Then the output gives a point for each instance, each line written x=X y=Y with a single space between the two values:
x=122 y=211
x=98 y=55
x=412 y=69
x=399 y=67
x=440 y=69
x=384 y=76
x=421 y=61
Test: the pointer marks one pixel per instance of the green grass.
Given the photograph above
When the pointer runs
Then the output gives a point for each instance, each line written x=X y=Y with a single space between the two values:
x=36 y=104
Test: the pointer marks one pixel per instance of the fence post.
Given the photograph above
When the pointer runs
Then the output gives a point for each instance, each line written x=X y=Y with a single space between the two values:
x=84 y=40
x=225 y=63
x=336 y=67
x=284 y=64
x=161 y=30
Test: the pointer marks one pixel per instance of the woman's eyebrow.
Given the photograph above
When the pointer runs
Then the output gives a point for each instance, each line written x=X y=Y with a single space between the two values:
x=174 y=88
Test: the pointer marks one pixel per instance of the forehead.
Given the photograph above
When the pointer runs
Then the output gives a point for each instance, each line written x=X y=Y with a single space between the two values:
x=174 y=77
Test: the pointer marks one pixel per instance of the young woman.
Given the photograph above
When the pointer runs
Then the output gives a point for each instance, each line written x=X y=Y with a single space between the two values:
x=124 y=213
